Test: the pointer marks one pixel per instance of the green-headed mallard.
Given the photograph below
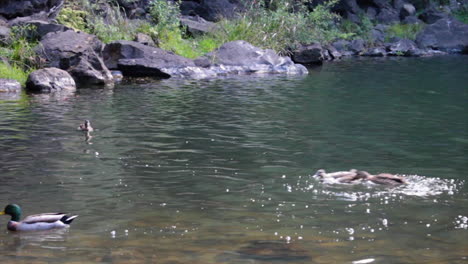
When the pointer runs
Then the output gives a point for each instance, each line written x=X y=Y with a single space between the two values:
x=35 y=222
x=382 y=178
x=340 y=176
x=86 y=126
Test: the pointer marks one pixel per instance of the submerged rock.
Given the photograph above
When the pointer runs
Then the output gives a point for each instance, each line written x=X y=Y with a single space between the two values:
x=50 y=80
x=274 y=250
x=78 y=53
x=9 y=89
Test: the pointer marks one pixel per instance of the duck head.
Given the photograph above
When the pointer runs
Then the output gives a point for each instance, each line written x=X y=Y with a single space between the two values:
x=13 y=210
x=321 y=173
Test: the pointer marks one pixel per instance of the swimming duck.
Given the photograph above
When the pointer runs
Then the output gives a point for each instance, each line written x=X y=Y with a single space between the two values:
x=35 y=222
x=340 y=176
x=382 y=178
x=86 y=126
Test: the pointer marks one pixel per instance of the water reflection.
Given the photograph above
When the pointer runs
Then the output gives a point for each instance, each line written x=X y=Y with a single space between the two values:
x=219 y=171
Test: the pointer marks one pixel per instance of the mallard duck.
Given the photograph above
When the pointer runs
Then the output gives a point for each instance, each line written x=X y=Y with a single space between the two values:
x=86 y=126
x=382 y=178
x=340 y=176
x=35 y=222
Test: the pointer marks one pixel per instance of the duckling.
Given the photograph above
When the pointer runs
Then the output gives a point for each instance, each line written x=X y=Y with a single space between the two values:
x=35 y=222
x=86 y=126
x=341 y=176
x=382 y=178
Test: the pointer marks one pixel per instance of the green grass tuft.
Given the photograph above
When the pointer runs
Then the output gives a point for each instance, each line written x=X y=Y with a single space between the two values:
x=13 y=72
x=407 y=31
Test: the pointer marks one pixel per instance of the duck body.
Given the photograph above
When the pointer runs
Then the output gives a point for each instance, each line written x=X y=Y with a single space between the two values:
x=340 y=176
x=382 y=178
x=36 y=222
x=86 y=126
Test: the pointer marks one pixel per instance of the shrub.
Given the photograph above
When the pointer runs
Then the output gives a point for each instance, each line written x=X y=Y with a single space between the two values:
x=72 y=18
x=462 y=14
x=408 y=31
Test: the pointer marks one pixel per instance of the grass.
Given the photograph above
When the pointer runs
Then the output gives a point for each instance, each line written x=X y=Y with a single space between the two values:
x=462 y=14
x=13 y=72
x=405 y=31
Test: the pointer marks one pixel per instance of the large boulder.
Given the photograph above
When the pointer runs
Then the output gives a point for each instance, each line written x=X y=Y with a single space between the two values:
x=137 y=60
x=50 y=80
x=196 y=25
x=310 y=54
x=78 y=53
x=15 y=8
x=211 y=10
x=448 y=34
x=432 y=15
x=402 y=47
x=241 y=57
x=39 y=28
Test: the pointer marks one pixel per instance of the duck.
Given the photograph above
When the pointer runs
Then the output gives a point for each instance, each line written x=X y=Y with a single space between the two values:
x=382 y=178
x=86 y=126
x=36 y=222
x=341 y=176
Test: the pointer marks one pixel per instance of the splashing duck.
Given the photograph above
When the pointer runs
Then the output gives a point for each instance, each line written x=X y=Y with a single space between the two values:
x=341 y=176
x=382 y=178
x=86 y=126
x=35 y=222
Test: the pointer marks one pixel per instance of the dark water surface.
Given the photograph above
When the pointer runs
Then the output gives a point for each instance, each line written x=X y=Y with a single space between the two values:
x=219 y=171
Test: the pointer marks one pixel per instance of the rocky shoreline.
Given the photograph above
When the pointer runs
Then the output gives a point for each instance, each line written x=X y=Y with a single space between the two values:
x=74 y=59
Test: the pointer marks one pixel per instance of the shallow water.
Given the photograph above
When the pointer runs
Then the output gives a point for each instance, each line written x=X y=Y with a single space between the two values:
x=220 y=171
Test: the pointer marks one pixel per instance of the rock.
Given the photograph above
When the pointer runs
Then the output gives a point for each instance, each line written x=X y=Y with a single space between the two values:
x=411 y=20
x=197 y=25
x=134 y=59
x=334 y=53
x=375 y=52
x=9 y=86
x=407 y=10
x=40 y=28
x=432 y=15
x=447 y=34
x=378 y=33
x=211 y=10
x=388 y=16
x=50 y=80
x=309 y=54
x=4 y=35
x=10 y=89
x=402 y=47
x=241 y=57
x=78 y=53
x=13 y=8
x=342 y=46
x=357 y=46
x=145 y=40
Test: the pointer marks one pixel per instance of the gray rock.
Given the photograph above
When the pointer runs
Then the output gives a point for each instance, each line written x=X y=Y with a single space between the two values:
x=432 y=15
x=387 y=16
x=4 y=35
x=411 y=20
x=309 y=54
x=197 y=25
x=357 y=46
x=40 y=27
x=9 y=86
x=137 y=60
x=13 y=8
x=240 y=57
x=407 y=10
x=334 y=53
x=78 y=53
x=448 y=34
x=375 y=52
x=402 y=47
x=50 y=80
x=342 y=46
x=211 y=10
x=145 y=40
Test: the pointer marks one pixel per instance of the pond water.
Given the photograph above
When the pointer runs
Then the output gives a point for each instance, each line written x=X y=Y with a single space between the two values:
x=220 y=171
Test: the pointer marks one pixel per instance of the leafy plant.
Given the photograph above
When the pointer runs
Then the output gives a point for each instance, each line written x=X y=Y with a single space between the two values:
x=73 y=18
x=408 y=31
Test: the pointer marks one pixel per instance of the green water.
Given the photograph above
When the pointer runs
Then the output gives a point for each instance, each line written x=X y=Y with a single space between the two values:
x=220 y=171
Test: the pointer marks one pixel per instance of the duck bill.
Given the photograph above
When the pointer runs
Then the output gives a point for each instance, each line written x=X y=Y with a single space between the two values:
x=2 y=213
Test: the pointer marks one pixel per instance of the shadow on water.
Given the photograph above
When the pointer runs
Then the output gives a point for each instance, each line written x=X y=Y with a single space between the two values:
x=220 y=171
